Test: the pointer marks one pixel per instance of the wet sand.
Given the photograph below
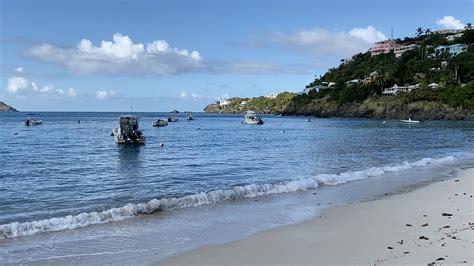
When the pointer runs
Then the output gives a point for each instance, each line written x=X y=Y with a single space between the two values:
x=433 y=224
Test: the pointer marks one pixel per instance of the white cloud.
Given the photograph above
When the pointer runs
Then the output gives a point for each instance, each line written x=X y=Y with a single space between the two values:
x=120 y=56
x=19 y=69
x=450 y=22
x=320 y=42
x=71 y=92
x=16 y=84
x=186 y=95
x=104 y=94
x=22 y=87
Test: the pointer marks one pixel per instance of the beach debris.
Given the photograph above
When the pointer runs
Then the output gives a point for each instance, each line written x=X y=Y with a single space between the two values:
x=390 y=247
x=425 y=215
x=408 y=225
x=457 y=180
x=400 y=242
x=423 y=238
x=446 y=214
x=406 y=252
x=443 y=244
x=423 y=225
x=440 y=258
x=432 y=264
x=446 y=226
x=455 y=194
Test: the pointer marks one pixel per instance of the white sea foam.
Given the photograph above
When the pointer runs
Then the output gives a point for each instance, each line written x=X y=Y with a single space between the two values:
x=17 y=229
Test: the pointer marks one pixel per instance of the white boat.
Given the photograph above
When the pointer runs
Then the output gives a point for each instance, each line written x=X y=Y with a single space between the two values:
x=410 y=121
x=190 y=117
x=128 y=131
x=160 y=123
x=252 y=118
x=173 y=118
x=32 y=121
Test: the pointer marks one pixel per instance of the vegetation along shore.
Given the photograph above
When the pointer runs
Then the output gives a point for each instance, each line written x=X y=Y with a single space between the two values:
x=430 y=76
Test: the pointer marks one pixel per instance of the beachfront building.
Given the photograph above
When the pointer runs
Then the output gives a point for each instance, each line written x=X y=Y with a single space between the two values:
x=448 y=31
x=395 y=89
x=453 y=49
x=433 y=85
x=371 y=77
x=399 y=50
x=382 y=47
x=224 y=103
x=272 y=95
x=352 y=82
x=454 y=36
x=317 y=88
x=243 y=103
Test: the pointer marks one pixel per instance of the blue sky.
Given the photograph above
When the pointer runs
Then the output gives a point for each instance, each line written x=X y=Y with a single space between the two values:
x=164 y=55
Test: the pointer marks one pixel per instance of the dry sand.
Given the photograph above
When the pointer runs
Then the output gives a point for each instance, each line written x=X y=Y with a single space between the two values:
x=433 y=224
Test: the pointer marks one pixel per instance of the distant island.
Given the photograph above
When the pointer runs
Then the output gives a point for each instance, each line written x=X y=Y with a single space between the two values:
x=6 y=108
x=430 y=76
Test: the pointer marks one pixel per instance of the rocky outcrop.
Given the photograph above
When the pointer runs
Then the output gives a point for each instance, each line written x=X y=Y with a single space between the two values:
x=6 y=108
x=426 y=110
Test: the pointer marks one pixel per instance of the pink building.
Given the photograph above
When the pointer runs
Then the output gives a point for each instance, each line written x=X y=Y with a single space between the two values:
x=383 y=47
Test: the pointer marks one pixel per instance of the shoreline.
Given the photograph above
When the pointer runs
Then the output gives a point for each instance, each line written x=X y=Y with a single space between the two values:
x=431 y=224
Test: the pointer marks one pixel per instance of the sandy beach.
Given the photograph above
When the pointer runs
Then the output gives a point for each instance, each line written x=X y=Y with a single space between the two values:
x=433 y=224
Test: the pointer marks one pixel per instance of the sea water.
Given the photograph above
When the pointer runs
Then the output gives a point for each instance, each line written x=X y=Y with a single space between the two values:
x=68 y=192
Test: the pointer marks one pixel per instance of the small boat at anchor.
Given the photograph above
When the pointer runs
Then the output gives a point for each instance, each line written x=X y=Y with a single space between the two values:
x=409 y=121
x=160 y=123
x=190 y=117
x=252 y=118
x=128 y=131
x=32 y=120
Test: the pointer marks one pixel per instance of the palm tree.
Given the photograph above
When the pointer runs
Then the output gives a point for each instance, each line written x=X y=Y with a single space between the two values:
x=380 y=80
x=419 y=31
x=428 y=31
x=468 y=26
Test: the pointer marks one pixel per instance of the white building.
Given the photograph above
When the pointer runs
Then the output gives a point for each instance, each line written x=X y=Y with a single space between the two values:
x=272 y=95
x=399 y=50
x=395 y=89
x=453 y=37
x=224 y=103
x=433 y=85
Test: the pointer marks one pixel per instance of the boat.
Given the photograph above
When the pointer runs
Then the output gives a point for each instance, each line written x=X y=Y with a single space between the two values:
x=128 y=131
x=252 y=118
x=160 y=123
x=173 y=118
x=410 y=121
x=309 y=120
x=32 y=120
x=190 y=117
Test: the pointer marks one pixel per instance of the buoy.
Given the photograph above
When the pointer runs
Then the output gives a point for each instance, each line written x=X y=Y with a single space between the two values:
x=162 y=145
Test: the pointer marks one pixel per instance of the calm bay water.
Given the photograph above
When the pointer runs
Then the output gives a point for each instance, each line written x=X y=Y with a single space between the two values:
x=64 y=174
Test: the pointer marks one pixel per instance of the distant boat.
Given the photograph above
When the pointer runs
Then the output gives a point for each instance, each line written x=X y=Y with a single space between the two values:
x=190 y=117
x=160 y=123
x=173 y=118
x=309 y=120
x=175 y=112
x=410 y=121
x=128 y=131
x=252 y=118
x=32 y=120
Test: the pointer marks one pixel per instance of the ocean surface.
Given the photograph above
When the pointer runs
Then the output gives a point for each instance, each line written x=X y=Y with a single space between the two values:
x=65 y=185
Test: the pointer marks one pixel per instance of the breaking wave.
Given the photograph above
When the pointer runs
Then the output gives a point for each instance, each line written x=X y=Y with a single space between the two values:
x=17 y=229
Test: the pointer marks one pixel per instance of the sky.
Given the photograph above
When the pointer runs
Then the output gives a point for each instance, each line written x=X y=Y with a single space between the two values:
x=105 y=55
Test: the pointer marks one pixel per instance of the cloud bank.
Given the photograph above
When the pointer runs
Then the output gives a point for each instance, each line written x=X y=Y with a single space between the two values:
x=120 y=56
x=319 y=42
x=450 y=22
x=22 y=86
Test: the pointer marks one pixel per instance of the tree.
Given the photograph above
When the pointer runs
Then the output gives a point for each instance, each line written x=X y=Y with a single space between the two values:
x=381 y=80
x=428 y=31
x=419 y=31
x=468 y=26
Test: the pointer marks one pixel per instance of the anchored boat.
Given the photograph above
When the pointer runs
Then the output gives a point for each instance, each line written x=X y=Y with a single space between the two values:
x=32 y=120
x=160 y=123
x=410 y=121
x=252 y=118
x=128 y=131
